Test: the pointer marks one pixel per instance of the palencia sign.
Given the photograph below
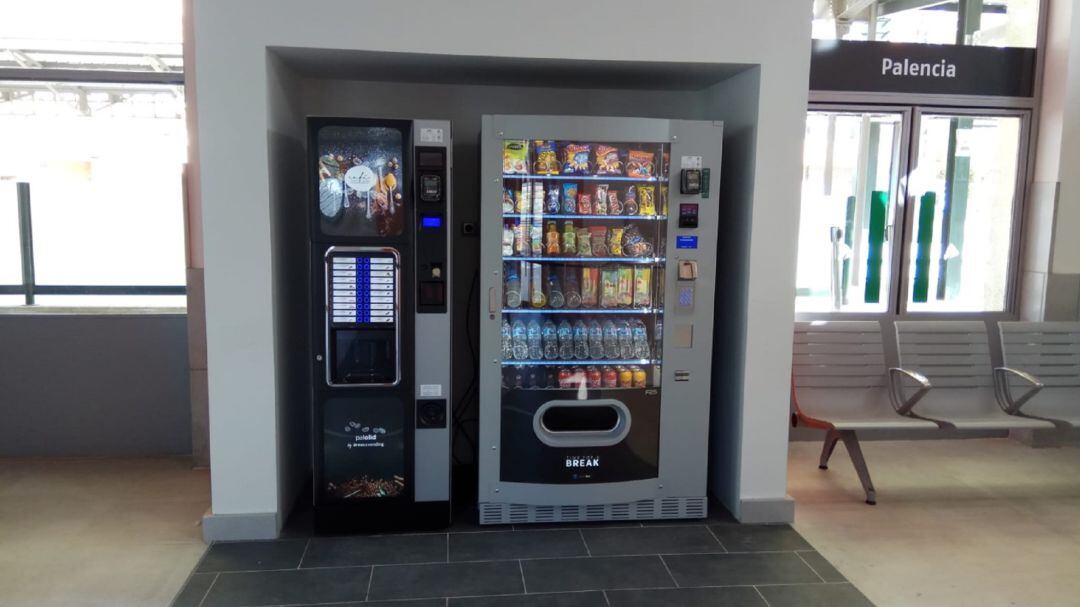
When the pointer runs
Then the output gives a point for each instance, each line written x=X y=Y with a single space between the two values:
x=890 y=67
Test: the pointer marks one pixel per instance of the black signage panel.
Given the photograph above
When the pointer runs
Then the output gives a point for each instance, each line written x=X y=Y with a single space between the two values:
x=891 y=67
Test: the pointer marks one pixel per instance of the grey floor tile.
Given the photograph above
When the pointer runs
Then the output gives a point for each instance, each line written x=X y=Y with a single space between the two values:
x=375 y=550
x=743 y=596
x=815 y=595
x=651 y=540
x=560 y=599
x=417 y=603
x=252 y=556
x=597 y=573
x=292 y=587
x=692 y=570
x=194 y=590
x=822 y=567
x=503 y=545
x=759 y=538
x=449 y=580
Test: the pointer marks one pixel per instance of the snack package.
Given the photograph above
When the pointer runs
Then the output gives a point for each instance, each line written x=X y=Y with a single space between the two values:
x=625 y=295
x=600 y=204
x=546 y=160
x=516 y=157
x=584 y=204
x=634 y=244
x=590 y=287
x=609 y=288
x=642 y=287
x=523 y=198
x=614 y=207
x=508 y=241
x=607 y=160
x=538 y=199
x=631 y=206
x=536 y=238
x=553 y=203
x=584 y=242
x=640 y=164
x=599 y=241
x=569 y=198
x=521 y=239
x=646 y=195
x=576 y=159
x=614 y=242
x=508 y=200
x=569 y=239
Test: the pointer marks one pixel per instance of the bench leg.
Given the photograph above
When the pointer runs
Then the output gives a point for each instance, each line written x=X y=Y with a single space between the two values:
x=827 y=448
x=857 y=459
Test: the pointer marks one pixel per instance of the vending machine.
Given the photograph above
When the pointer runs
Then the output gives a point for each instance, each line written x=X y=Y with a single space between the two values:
x=380 y=322
x=599 y=239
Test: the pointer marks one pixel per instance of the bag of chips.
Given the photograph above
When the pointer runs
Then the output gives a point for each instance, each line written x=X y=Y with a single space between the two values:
x=640 y=164
x=584 y=242
x=625 y=296
x=569 y=198
x=607 y=160
x=646 y=195
x=634 y=244
x=631 y=205
x=590 y=286
x=600 y=204
x=516 y=157
x=576 y=159
x=599 y=241
x=614 y=242
x=609 y=288
x=547 y=160
x=584 y=204
x=614 y=207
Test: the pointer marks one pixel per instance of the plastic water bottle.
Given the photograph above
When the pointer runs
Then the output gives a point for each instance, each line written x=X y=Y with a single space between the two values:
x=626 y=340
x=536 y=351
x=507 y=344
x=611 y=340
x=566 y=341
x=581 y=340
x=521 y=346
x=641 y=339
x=551 y=340
x=596 y=340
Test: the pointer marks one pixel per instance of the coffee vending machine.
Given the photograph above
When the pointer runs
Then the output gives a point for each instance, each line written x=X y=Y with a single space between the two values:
x=598 y=249
x=380 y=322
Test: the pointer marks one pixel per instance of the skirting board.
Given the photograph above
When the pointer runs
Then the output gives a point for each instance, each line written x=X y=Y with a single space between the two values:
x=235 y=527
x=780 y=510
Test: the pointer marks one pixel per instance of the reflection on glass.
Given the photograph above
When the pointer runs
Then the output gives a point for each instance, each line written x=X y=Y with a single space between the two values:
x=850 y=176
x=966 y=22
x=583 y=252
x=964 y=185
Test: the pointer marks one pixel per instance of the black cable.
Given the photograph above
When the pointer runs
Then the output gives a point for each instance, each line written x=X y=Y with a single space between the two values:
x=472 y=387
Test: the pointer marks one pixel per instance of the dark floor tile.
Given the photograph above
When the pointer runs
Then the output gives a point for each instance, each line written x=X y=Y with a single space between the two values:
x=743 y=596
x=375 y=550
x=650 y=540
x=449 y=580
x=252 y=556
x=598 y=573
x=759 y=538
x=692 y=570
x=815 y=595
x=561 y=599
x=823 y=567
x=191 y=595
x=292 y=587
x=503 y=545
x=417 y=603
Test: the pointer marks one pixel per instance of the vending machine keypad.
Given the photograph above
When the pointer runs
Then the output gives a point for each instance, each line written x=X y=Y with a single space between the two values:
x=362 y=317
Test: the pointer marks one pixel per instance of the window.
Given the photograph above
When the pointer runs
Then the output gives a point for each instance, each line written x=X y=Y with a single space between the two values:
x=966 y=22
x=909 y=210
x=92 y=119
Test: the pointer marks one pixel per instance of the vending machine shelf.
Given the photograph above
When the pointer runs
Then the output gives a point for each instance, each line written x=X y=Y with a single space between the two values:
x=633 y=260
x=520 y=176
x=590 y=311
x=592 y=217
x=588 y=361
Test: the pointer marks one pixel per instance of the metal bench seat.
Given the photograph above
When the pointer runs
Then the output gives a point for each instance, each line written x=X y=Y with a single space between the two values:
x=957 y=388
x=1041 y=377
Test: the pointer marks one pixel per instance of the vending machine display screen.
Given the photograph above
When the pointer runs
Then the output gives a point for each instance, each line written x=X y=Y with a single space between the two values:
x=360 y=181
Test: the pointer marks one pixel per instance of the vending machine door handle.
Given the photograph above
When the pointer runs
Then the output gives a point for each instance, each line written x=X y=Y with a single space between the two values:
x=493 y=303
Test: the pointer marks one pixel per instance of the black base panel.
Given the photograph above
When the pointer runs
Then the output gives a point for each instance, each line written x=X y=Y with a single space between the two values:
x=381 y=517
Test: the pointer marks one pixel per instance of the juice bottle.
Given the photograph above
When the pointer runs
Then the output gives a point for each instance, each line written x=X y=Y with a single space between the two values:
x=552 y=240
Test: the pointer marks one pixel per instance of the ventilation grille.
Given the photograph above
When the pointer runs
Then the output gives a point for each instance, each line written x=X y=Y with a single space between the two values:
x=492 y=513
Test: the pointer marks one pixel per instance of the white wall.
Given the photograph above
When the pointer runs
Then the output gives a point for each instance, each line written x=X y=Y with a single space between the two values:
x=230 y=48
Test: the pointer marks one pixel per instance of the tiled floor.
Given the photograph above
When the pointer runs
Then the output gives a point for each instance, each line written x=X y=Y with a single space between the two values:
x=98 y=532
x=715 y=562
x=980 y=523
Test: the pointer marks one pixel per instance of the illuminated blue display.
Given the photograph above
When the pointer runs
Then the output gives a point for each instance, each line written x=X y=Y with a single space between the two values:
x=433 y=222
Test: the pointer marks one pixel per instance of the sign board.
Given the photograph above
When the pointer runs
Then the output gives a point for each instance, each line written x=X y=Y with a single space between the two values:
x=935 y=69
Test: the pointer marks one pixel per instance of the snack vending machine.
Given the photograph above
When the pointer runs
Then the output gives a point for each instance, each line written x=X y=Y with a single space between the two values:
x=597 y=260
x=380 y=322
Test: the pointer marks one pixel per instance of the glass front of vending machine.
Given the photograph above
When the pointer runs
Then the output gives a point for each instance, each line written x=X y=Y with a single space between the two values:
x=580 y=309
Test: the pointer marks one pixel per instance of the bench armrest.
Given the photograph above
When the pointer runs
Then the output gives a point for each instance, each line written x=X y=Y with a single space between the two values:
x=903 y=404
x=1004 y=392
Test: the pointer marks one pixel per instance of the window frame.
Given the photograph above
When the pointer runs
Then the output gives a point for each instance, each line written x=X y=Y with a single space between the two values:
x=29 y=287
x=902 y=218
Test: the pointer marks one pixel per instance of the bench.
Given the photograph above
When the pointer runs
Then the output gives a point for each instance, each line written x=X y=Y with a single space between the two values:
x=840 y=385
x=1041 y=376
